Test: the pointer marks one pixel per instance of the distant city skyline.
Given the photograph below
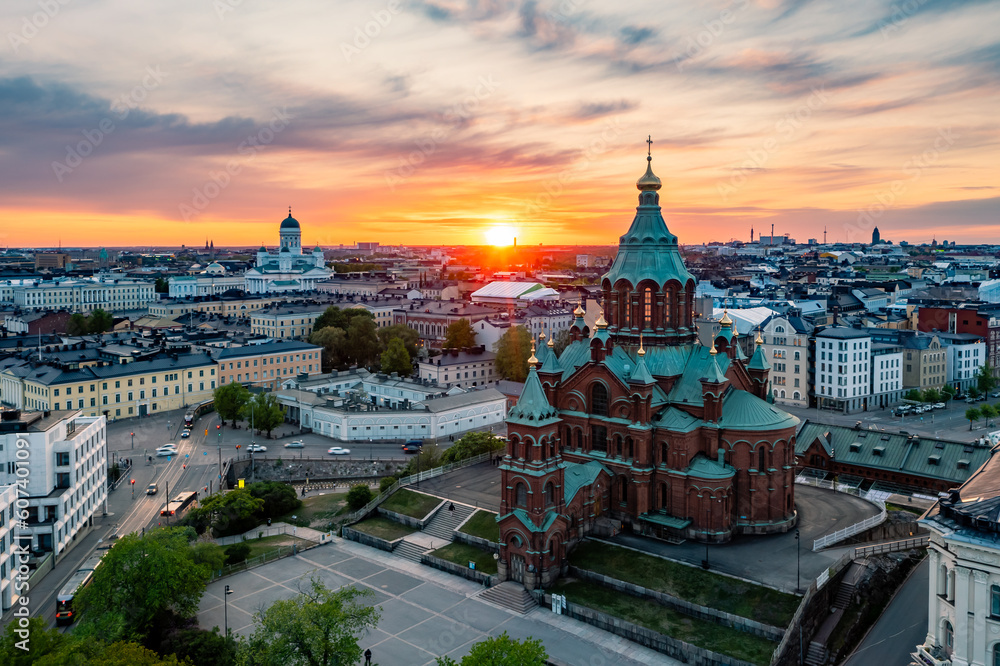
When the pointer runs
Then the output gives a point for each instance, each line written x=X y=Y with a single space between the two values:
x=433 y=123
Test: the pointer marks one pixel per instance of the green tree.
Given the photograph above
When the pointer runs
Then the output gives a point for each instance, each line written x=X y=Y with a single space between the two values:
x=985 y=381
x=279 y=498
x=974 y=392
x=237 y=552
x=363 y=346
x=913 y=394
x=396 y=359
x=988 y=412
x=228 y=513
x=385 y=483
x=948 y=392
x=931 y=395
x=318 y=627
x=410 y=338
x=973 y=414
x=512 y=352
x=140 y=579
x=358 y=496
x=43 y=642
x=502 y=650
x=459 y=335
x=266 y=413
x=77 y=324
x=332 y=316
x=471 y=444
x=561 y=341
x=99 y=321
x=333 y=340
x=208 y=555
x=229 y=401
x=161 y=286
x=201 y=647
x=428 y=458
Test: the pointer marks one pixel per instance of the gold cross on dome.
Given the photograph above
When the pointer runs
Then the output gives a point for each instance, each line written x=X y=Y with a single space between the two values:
x=649 y=145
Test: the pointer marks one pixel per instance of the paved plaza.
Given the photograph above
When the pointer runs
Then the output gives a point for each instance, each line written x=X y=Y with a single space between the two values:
x=425 y=613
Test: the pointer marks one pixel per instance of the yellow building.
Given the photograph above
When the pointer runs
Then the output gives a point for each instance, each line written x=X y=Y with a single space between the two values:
x=116 y=390
x=286 y=321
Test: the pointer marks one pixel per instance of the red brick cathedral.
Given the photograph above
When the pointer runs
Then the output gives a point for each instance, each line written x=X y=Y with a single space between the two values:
x=636 y=425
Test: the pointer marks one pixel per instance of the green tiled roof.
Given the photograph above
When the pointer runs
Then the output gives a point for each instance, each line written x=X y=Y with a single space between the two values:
x=677 y=420
x=759 y=360
x=525 y=518
x=575 y=355
x=668 y=361
x=648 y=251
x=641 y=375
x=576 y=476
x=532 y=406
x=551 y=363
x=687 y=389
x=745 y=411
x=665 y=519
x=896 y=452
x=713 y=374
x=703 y=467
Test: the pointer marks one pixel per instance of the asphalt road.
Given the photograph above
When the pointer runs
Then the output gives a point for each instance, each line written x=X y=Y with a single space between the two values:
x=901 y=628
x=949 y=423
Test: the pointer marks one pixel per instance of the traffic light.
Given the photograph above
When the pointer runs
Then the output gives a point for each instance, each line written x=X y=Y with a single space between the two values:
x=218 y=426
x=133 y=482
x=237 y=447
x=132 y=433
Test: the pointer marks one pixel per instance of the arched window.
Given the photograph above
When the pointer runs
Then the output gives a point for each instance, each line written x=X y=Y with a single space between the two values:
x=628 y=447
x=618 y=445
x=667 y=300
x=521 y=495
x=579 y=438
x=550 y=494
x=625 y=299
x=647 y=304
x=761 y=458
x=996 y=655
x=795 y=395
x=663 y=453
x=515 y=444
x=598 y=438
x=599 y=400
x=623 y=490
x=949 y=637
x=995 y=600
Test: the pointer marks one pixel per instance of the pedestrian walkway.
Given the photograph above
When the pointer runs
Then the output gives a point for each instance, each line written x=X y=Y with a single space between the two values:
x=444 y=522
x=425 y=613
x=306 y=533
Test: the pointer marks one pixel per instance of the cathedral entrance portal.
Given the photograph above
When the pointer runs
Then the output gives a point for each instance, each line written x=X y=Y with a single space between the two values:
x=517 y=568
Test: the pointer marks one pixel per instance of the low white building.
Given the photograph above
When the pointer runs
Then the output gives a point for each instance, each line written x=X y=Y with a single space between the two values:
x=963 y=625
x=207 y=284
x=59 y=458
x=965 y=353
x=465 y=369
x=348 y=420
x=103 y=292
x=887 y=375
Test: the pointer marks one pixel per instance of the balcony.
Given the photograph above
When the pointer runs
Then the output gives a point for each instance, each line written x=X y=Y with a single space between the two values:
x=931 y=655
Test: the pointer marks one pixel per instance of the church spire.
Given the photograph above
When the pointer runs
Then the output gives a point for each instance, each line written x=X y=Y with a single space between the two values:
x=649 y=180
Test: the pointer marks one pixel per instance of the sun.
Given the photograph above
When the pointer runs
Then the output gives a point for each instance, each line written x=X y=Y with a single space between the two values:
x=501 y=235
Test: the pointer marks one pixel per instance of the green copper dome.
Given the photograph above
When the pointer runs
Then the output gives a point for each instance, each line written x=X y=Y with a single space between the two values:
x=648 y=251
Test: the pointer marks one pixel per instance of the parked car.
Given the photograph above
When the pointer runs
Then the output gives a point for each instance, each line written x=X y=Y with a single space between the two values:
x=151 y=489
x=256 y=448
x=960 y=396
x=970 y=400
x=939 y=405
x=995 y=394
x=185 y=434
x=981 y=398
x=297 y=444
x=338 y=451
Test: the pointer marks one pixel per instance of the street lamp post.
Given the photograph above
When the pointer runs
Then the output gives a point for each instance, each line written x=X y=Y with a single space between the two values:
x=133 y=439
x=226 y=609
x=798 y=566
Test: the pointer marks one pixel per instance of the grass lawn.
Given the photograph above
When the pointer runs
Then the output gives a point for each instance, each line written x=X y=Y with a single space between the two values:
x=383 y=528
x=409 y=503
x=652 y=615
x=317 y=510
x=889 y=506
x=483 y=524
x=695 y=585
x=267 y=544
x=462 y=553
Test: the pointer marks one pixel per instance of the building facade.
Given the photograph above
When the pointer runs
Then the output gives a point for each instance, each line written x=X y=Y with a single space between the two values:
x=465 y=369
x=887 y=376
x=639 y=425
x=103 y=292
x=10 y=559
x=268 y=364
x=286 y=321
x=843 y=369
x=182 y=286
x=66 y=472
x=786 y=344
x=288 y=269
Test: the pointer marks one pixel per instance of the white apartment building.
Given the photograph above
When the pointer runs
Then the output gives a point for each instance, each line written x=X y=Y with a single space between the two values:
x=9 y=561
x=786 y=347
x=843 y=369
x=965 y=353
x=887 y=375
x=459 y=368
x=203 y=285
x=963 y=623
x=63 y=457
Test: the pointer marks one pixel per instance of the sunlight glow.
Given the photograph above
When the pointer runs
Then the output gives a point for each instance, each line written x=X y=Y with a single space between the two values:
x=501 y=235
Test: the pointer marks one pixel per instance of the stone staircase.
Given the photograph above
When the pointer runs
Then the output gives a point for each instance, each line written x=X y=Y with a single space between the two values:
x=409 y=551
x=816 y=655
x=444 y=521
x=844 y=595
x=510 y=595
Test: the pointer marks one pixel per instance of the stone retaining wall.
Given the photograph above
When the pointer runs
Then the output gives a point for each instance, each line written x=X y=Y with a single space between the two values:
x=369 y=540
x=457 y=570
x=478 y=542
x=409 y=521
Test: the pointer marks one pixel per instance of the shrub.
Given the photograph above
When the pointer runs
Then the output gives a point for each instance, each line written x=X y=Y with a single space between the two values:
x=358 y=496
x=279 y=498
x=386 y=483
x=237 y=553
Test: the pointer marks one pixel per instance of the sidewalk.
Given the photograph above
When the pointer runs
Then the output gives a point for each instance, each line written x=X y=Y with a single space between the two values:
x=306 y=533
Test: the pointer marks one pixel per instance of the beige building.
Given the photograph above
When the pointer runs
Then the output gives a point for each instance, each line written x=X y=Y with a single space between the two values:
x=464 y=369
x=786 y=347
x=228 y=307
x=269 y=364
x=286 y=321
x=115 y=390
x=924 y=362
x=382 y=311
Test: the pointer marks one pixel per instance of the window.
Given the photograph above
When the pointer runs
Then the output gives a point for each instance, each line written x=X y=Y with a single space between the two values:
x=761 y=459
x=648 y=308
x=995 y=601
x=521 y=495
x=598 y=438
x=550 y=495
x=599 y=400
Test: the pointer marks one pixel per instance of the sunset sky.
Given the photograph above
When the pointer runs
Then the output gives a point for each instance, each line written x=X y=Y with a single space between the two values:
x=450 y=121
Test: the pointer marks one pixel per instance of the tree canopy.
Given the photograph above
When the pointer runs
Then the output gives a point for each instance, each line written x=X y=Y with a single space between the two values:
x=410 y=338
x=339 y=318
x=233 y=512
x=319 y=626
x=333 y=340
x=973 y=414
x=363 y=346
x=140 y=579
x=502 y=650
x=985 y=381
x=266 y=413
x=471 y=444
x=99 y=321
x=459 y=335
x=512 y=352
x=229 y=401
x=396 y=359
